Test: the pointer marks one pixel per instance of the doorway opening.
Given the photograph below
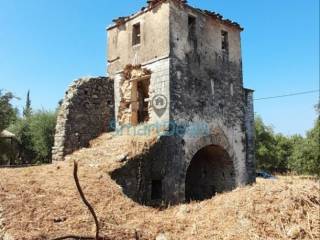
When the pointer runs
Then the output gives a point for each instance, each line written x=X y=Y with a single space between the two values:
x=210 y=172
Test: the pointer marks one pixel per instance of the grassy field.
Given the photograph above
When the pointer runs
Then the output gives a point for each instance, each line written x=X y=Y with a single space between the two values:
x=43 y=203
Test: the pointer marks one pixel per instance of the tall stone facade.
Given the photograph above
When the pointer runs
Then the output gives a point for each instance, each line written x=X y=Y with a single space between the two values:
x=177 y=71
x=87 y=110
x=194 y=57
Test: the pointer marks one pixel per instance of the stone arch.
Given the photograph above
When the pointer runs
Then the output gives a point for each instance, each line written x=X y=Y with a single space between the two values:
x=210 y=167
x=217 y=137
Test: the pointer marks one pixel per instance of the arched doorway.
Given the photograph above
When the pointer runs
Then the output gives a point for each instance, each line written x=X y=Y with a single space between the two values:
x=210 y=171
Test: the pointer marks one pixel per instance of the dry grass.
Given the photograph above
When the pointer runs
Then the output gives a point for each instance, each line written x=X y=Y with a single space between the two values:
x=42 y=202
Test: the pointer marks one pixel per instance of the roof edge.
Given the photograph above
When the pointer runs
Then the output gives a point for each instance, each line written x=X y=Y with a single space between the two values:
x=248 y=89
x=155 y=3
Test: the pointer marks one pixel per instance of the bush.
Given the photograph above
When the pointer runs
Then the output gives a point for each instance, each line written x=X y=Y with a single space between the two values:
x=36 y=134
x=278 y=153
x=42 y=127
x=7 y=112
x=305 y=158
x=265 y=146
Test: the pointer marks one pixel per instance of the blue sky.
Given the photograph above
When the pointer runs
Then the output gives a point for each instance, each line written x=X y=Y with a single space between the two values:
x=46 y=44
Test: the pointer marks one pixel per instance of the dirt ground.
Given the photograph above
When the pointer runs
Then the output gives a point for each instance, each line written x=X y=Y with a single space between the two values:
x=43 y=203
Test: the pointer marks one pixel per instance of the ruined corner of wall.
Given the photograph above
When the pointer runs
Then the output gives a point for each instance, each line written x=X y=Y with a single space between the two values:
x=87 y=111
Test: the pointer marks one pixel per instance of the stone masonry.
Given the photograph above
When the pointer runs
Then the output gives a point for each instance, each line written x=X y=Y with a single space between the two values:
x=177 y=70
x=86 y=111
x=208 y=145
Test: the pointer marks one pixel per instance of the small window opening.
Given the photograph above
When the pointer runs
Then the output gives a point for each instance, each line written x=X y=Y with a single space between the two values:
x=231 y=89
x=224 y=39
x=136 y=34
x=191 y=27
x=212 y=87
x=156 y=190
x=221 y=108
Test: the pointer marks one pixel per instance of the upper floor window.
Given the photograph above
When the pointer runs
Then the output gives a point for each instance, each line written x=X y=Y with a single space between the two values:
x=191 y=27
x=224 y=41
x=136 y=34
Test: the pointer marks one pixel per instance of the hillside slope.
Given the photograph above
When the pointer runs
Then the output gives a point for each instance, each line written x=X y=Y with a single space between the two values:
x=42 y=203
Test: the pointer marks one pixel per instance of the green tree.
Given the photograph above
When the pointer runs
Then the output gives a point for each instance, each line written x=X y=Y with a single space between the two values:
x=27 y=110
x=305 y=158
x=36 y=134
x=8 y=113
x=283 y=150
x=42 y=127
x=35 y=130
x=278 y=153
x=265 y=146
x=22 y=131
x=273 y=151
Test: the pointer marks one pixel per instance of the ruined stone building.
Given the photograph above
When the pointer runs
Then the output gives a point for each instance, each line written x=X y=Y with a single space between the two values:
x=178 y=69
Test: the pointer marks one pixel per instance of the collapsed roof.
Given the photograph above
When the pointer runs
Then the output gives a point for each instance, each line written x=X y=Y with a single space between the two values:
x=154 y=3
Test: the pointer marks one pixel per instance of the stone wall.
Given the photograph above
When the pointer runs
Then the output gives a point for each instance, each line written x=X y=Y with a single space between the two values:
x=162 y=161
x=250 y=144
x=208 y=80
x=154 y=28
x=86 y=111
x=159 y=85
x=207 y=107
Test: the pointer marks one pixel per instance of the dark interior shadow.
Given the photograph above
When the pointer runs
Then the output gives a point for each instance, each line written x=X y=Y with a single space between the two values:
x=133 y=178
x=142 y=177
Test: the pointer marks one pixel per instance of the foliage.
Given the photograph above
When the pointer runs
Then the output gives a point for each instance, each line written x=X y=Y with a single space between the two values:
x=283 y=150
x=7 y=112
x=305 y=157
x=42 y=128
x=27 y=110
x=36 y=134
x=279 y=153
x=265 y=146
x=21 y=128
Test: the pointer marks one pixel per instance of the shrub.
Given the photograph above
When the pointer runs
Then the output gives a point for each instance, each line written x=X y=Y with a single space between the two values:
x=7 y=112
x=36 y=134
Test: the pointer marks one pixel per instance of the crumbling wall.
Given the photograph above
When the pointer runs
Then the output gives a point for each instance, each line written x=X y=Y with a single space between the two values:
x=159 y=85
x=167 y=162
x=154 y=35
x=134 y=101
x=86 y=111
x=201 y=79
x=207 y=78
x=160 y=162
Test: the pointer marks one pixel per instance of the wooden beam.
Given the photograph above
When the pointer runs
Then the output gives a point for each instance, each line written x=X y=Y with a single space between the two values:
x=145 y=77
